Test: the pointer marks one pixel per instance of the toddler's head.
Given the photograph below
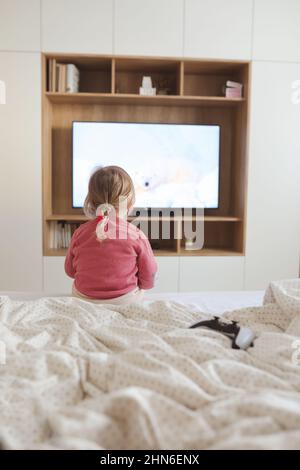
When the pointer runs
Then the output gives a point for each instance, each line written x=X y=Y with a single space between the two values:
x=109 y=187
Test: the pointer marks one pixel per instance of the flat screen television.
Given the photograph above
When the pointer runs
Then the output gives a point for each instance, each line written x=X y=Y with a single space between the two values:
x=171 y=165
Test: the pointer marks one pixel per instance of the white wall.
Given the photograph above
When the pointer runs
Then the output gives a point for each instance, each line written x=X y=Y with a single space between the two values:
x=20 y=25
x=273 y=225
x=276 y=34
x=206 y=20
x=20 y=173
x=83 y=26
x=264 y=31
x=273 y=234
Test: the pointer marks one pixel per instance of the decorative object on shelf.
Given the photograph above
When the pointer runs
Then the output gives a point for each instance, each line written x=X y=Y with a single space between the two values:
x=233 y=89
x=189 y=244
x=155 y=245
x=163 y=86
x=146 y=89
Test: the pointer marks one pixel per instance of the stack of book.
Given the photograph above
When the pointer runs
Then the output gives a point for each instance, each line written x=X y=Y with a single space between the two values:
x=60 y=234
x=63 y=78
x=233 y=89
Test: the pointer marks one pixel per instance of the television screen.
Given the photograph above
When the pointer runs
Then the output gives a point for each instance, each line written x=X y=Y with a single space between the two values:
x=171 y=165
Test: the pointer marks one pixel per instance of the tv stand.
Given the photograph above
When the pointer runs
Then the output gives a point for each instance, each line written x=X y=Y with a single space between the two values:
x=109 y=92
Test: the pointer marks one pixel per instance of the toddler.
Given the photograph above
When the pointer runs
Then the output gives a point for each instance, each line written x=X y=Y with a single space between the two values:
x=110 y=260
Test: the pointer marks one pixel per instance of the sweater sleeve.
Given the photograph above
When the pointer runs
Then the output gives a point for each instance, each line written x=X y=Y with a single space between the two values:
x=147 y=266
x=69 y=266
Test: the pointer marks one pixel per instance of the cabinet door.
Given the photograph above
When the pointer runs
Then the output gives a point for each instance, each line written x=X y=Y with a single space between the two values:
x=218 y=29
x=20 y=173
x=211 y=273
x=168 y=274
x=273 y=216
x=81 y=26
x=144 y=27
x=20 y=25
x=56 y=281
x=276 y=31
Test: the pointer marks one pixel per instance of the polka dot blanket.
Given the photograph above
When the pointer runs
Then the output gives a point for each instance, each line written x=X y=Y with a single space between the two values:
x=78 y=375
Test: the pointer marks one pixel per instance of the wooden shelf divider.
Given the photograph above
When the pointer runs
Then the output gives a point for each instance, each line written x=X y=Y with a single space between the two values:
x=113 y=76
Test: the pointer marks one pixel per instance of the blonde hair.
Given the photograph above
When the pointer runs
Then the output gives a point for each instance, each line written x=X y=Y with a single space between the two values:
x=107 y=187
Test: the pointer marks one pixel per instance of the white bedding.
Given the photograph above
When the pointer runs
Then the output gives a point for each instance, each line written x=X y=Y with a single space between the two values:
x=209 y=302
x=213 y=302
x=81 y=375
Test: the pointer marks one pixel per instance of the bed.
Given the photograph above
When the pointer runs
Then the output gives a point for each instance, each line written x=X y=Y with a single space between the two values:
x=208 y=302
x=78 y=375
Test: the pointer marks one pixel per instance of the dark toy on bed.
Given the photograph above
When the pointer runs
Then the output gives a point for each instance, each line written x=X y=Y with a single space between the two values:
x=242 y=338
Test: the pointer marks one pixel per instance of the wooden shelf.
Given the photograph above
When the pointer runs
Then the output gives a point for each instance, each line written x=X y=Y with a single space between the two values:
x=83 y=218
x=182 y=252
x=210 y=252
x=55 y=252
x=67 y=217
x=162 y=100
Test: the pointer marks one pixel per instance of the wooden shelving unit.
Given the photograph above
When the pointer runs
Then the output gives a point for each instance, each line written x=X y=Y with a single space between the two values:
x=108 y=98
x=108 y=91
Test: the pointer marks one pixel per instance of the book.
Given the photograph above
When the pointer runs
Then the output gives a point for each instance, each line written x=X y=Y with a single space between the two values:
x=62 y=78
x=233 y=93
x=51 y=235
x=58 y=77
x=50 y=66
x=60 y=234
x=233 y=89
x=231 y=84
x=61 y=88
x=53 y=75
x=72 y=78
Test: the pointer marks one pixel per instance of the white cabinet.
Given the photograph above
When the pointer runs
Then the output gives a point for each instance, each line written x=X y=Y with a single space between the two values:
x=56 y=281
x=168 y=274
x=203 y=273
x=81 y=26
x=20 y=173
x=149 y=27
x=218 y=29
x=276 y=32
x=20 y=25
x=273 y=225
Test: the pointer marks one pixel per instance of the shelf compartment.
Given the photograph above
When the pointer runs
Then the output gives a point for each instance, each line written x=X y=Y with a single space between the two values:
x=95 y=73
x=165 y=75
x=221 y=236
x=207 y=79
